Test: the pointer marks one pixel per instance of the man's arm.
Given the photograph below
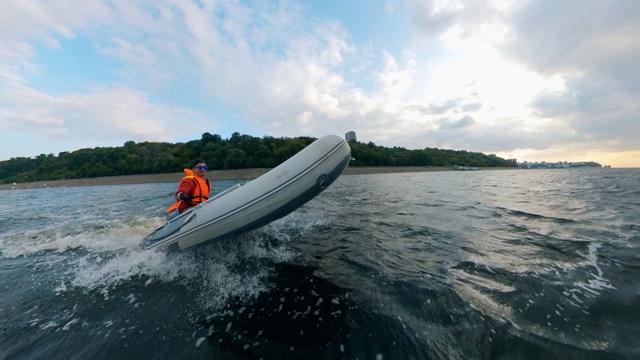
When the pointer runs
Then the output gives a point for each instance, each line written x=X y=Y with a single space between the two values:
x=185 y=190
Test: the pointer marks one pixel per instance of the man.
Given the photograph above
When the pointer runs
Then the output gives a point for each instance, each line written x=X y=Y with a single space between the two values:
x=193 y=189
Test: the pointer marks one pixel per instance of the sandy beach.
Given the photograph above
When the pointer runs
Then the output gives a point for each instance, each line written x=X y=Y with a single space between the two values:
x=243 y=174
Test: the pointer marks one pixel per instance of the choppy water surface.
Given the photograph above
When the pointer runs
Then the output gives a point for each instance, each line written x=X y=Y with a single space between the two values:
x=445 y=265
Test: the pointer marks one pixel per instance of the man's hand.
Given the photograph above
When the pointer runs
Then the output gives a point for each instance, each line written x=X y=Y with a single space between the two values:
x=181 y=196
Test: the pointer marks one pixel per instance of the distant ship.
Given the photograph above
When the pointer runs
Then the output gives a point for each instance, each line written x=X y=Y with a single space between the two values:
x=607 y=166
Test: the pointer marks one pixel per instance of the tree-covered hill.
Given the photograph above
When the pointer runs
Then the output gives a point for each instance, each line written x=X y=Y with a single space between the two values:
x=237 y=152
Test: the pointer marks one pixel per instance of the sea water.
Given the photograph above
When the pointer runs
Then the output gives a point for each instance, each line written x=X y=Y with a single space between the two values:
x=525 y=264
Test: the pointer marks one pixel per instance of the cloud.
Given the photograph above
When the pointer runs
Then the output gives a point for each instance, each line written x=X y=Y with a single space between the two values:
x=574 y=38
x=585 y=53
x=105 y=114
x=507 y=76
x=444 y=107
x=594 y=48
x=396 y=79
x=455 y=105
x=247 y=59
x=463 y=122
x=471 y=107
x=434 y=17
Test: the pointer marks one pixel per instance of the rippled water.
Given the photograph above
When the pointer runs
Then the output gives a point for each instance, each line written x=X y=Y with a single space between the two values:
x=435 y=265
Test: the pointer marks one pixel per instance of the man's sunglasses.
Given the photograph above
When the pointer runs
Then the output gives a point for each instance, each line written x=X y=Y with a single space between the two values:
x=201 y=167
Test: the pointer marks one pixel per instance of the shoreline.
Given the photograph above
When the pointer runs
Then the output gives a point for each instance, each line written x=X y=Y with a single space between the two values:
x=241 y=174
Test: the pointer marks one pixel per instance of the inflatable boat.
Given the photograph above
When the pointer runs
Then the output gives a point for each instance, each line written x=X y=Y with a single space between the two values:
x=271 y=196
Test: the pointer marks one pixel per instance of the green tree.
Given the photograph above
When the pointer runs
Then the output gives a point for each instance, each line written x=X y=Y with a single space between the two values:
x=134 y=164
x=264 y=157
x=235 y=159
x=239 y=151
x=164 y=163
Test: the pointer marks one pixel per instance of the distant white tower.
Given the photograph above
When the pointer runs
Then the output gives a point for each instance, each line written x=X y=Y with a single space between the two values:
x=350 y=135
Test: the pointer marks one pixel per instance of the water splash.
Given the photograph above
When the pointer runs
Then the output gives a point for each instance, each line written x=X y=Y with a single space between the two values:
x=100 y=236
x=230 y=270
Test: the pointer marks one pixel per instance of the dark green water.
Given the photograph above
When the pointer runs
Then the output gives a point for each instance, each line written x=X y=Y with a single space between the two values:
x=448 y=265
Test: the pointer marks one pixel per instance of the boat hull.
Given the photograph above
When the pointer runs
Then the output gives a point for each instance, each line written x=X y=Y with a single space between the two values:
x=258 y=202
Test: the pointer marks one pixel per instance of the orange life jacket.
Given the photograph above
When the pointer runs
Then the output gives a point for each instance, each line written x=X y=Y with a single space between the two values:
x=200 y=193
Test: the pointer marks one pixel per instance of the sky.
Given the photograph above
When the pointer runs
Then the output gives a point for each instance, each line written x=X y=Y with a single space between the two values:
x=540 y=80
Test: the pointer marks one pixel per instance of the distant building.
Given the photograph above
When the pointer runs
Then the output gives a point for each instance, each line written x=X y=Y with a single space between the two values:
x=558 y=165
x=350 y=136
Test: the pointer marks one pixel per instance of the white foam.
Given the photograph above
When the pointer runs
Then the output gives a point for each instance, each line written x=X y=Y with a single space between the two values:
x=296 y=224
x=93 y=271
x=212 y=269
x=200 y=340
x=598 y=283
x=68 y=325
x=107 y=236
x=49 y=325
x=219 y=283
x=481 y=282
x=99 y=255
